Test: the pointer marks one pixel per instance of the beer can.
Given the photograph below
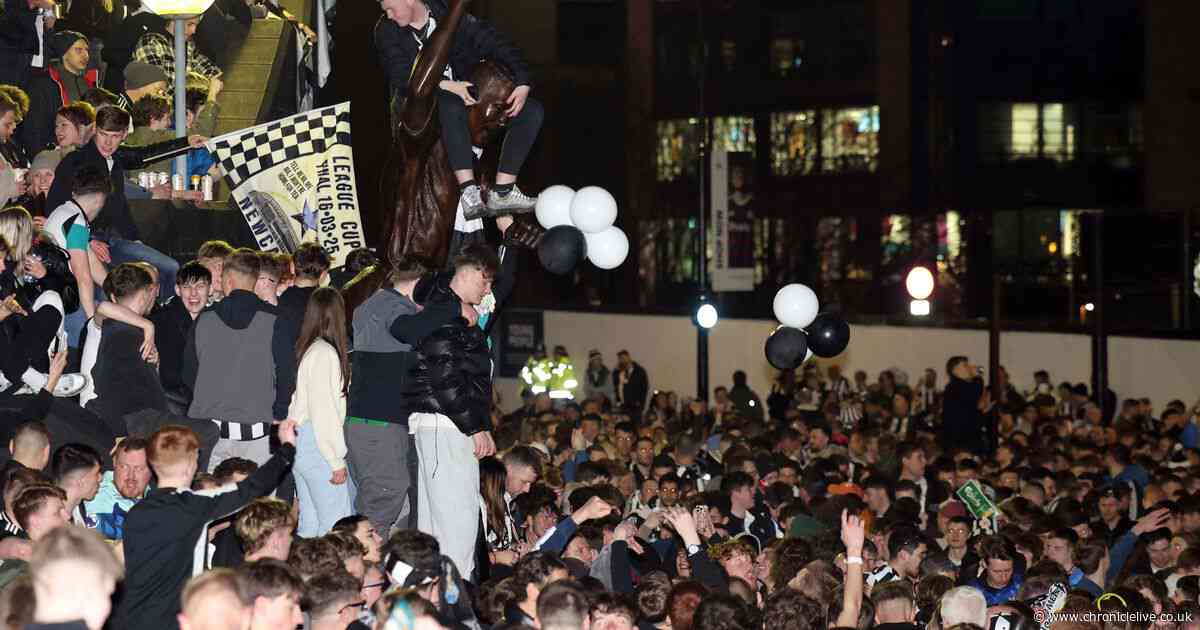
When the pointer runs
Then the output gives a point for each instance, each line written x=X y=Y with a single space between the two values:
x=207 y=185
x=162 y=178
x=145 y=180
x=177 y=181
x=195 y=182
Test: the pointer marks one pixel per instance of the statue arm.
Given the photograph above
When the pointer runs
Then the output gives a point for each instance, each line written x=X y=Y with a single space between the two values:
x=423 y=84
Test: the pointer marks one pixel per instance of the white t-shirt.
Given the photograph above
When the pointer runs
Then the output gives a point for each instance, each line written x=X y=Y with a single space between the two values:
x=91 y=347
x=66 y=217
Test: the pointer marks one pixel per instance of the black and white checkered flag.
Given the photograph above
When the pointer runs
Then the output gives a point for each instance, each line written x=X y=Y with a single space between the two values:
x=243 y=154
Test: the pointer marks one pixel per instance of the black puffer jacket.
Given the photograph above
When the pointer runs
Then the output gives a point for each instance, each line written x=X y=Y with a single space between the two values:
x=452 y=374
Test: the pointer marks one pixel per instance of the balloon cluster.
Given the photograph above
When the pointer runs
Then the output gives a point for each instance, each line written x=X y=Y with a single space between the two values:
x=579 y=225
x=805 y=331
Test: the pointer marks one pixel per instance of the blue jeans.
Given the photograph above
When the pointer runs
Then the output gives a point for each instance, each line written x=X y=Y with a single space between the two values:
x=321 y=503
x=123 y=251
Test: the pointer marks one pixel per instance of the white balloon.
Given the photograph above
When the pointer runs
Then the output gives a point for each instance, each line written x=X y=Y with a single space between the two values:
x=607 y=249
x=796 y=306
x=554 y=206
x=593 y=210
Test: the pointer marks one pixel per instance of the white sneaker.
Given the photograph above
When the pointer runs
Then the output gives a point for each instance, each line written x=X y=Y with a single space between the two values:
x=70 y=385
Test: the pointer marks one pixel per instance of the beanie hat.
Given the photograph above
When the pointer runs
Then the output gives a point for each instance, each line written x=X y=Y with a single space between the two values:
x=63 y=41
x=47 y=160
x=594 y=354
x=140 y=74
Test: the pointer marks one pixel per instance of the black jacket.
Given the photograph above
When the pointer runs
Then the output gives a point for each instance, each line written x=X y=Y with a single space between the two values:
x=962 y=423
x=172 y=323
x=115 y=214
x=121 y=42
x=222 y=30
x=289 y=317
x=165 y=539
x=18 y=42
x=452 y=375
x=125 y=382
x=474 y=41
x=636 y=389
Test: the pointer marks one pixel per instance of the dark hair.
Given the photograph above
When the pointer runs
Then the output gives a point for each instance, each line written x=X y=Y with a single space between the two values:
x=405 y=269
x=735 y=481
x=311 y=557
x=101 y=98
x=125 y=280
x=31 y=499
x=685 y=597
x=346 y=544
x=953 y=363
x=724 y=612
x=195 y=97
x=359 y=259
x=479 y=257
x=191 y=272
x=271 y=579
x=78 y=113
x=324 y=592
x=789 y=609
x=899 y=589
x=997 y=548
x=1088 y=555
x=523 y=456
x=112 y=119
x=348 y=524
x=244 y=261
x=71 y=459
x=533 y=569
x=310 y=261
x=90 y=180
x=416 y=549
x=233 y=465
x=904 y=539
x=150 y=108
x=325 y=318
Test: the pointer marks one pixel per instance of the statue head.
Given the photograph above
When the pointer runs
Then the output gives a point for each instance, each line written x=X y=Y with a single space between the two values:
x=493 y=86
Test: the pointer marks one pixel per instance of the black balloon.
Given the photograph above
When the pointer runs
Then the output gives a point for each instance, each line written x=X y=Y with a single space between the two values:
x=562 y=248
x=786 y=347
x=828 y=335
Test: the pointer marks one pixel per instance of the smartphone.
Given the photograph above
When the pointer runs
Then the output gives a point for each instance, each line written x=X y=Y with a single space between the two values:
x=703 y=519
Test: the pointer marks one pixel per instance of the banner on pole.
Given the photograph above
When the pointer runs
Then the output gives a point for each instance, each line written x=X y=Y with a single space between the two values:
x=732 y=223
x=293 y=180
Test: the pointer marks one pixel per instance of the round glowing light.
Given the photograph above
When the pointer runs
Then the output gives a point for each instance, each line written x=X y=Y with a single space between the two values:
x=919 y=283
x=706 y=316
x=177 y=8
x=1089 y=307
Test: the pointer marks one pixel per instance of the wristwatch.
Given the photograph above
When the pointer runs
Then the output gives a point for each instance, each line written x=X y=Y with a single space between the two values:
x=693 y=549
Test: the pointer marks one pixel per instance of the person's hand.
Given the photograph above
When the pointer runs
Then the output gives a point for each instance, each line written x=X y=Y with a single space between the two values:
x=148 y=348
x=503 y=223
x=188 y=195
x=684 y=524
x=593 y=509
x=460 y=89
x=39 y=222
x=484 y=446
x=100 y=249
x=197 y=141
x=853 y=533
x=287 y=432
x=339 y=477
x=58 y=365
x=308 y=32
x=1152 y=521
x=516 y=100
x=215 y=85
x=10 y=306
x=508 y=558
x=161 y=191
x=578 y=442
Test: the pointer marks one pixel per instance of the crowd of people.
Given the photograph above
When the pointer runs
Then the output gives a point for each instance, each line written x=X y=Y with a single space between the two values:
x=234 y=442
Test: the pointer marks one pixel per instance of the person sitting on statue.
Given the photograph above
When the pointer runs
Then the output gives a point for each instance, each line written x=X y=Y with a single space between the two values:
x=401 y=34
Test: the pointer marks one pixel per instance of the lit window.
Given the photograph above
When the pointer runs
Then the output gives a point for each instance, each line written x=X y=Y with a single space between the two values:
x=850 y=139
x=794 y=143
x=733 y=133
x=1013 y=131
x=678 y=148
x=895 y=238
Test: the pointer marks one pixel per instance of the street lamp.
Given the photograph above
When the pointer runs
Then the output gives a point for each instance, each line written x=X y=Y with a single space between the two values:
x=706 y=314
x=920 y=286
x=179 y=11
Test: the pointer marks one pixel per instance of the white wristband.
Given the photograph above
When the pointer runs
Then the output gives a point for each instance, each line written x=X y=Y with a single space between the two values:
x=853 y=560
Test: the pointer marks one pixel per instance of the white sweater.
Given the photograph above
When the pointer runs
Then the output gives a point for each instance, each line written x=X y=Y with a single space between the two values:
x=319 y=399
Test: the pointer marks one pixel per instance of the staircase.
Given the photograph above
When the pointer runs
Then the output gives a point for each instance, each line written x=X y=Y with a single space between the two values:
x=248 y=77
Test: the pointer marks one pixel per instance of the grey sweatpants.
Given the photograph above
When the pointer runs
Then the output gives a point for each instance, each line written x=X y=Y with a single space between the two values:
x=448 y=487
x=383 y=465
